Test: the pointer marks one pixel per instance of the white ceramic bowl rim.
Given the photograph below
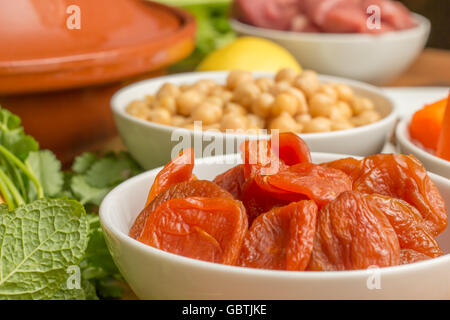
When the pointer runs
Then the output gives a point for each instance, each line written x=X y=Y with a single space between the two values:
x=143 y=248
x=120 y=109
x=423 y=25
x=404 y=138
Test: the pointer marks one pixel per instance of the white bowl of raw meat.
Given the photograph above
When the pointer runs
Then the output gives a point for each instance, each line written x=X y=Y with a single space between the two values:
x=339 y=37
x=156 y=274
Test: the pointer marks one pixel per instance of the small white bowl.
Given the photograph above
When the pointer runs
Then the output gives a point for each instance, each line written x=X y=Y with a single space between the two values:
x=370 y=58
x=155 y=274
x=430 y=161
x=151 y=144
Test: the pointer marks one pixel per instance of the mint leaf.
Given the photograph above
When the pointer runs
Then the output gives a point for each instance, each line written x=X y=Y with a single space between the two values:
x=97 y=256
x=47 y=169
x=38 y=242
x=86 y=292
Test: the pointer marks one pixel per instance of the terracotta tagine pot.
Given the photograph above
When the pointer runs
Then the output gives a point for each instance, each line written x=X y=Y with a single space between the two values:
x=61 y=61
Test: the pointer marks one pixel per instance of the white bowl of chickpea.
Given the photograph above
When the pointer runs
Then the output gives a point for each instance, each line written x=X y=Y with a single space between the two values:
x=331 y=114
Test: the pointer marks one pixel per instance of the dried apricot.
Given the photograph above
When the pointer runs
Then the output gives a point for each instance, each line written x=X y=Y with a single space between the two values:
x=350 y=235
x=281 y=239
x=209 y=229
x=318 y=183
x=404 y=177
x=177 y=170
x=259 y=158
x=193 y=188
x=232 y=180
x=412 y=232
x=351 y=166
x=290 y=148
x=411 y=256
x=257 y=200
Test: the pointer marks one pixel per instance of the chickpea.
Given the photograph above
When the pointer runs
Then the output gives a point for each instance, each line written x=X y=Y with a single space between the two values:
x=262 y=104
x=285 y=123
x=138 y=109
x=208 y=113
x=215 y=100
x=188 y=101
x=336 y=115
x=344 y=92
x=303 y=118
x=185 y=87
x=234 y=108
x=226 y=96
x=238 y=77
x=204 y=86
x=320 y=105
x=217 y=91
x=167 y=102
x=255 y=122
x=345 y=109
x=212 y=127
x=286 y=74
x=319 y=124
x=284 y=102
x=160 y=116
x=308 y=82
x=341 y=125
x=302 y=105
x=178 y=121
x=264 y=84
x=168 y=89
x=279 y=87
x=366 y=117
x=246 y=93
x=329 y=90
x=150 y=99
x=233 y=121
x=221 y=93
x=359 y=105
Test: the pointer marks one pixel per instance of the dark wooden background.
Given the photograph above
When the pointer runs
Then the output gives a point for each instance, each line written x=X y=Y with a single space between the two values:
x=438 y=11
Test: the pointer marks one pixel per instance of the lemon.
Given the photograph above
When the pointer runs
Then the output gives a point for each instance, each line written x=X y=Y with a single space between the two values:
x=250 y=54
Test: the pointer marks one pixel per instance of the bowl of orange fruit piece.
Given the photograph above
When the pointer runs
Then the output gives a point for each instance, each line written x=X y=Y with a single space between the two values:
x=426 y=135
x=279 y=222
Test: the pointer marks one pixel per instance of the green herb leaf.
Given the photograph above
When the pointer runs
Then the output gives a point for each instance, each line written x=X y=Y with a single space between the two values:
x=47 y=170
x=38 y=242
x=111 y=170
x=13 y=137
x=86 y=193
x=86 y=292
x=84 y=162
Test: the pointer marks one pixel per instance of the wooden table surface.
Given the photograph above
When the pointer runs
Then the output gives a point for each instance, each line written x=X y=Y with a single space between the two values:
x=432 y=68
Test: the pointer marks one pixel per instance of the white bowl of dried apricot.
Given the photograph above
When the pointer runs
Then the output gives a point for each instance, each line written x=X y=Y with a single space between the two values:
x=213 y=112
x=290 y=225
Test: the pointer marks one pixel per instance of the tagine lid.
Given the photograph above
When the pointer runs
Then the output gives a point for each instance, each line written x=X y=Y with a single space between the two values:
x=59 y=44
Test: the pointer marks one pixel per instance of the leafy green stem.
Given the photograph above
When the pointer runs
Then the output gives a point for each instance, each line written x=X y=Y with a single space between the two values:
x=16 y=175
x=15 y=193
x=6 y=196
x=10 y=156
